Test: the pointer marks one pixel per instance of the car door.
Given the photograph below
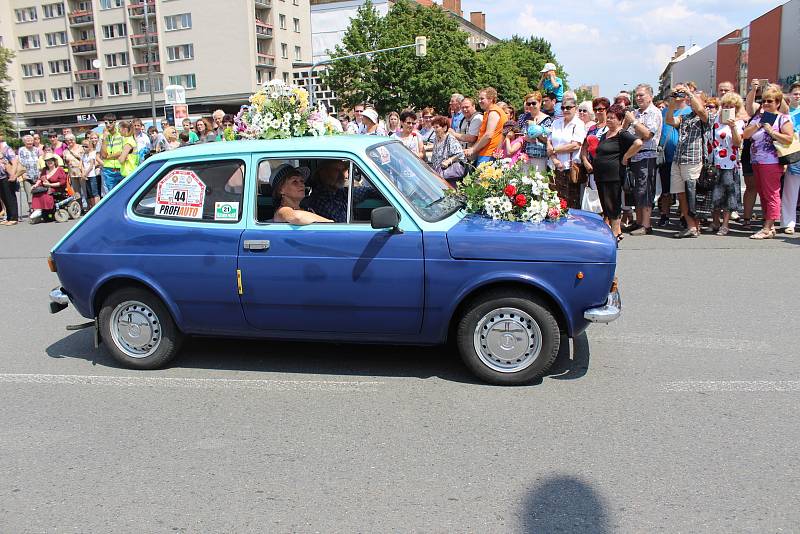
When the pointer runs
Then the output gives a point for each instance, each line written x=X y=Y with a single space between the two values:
x=333 y=277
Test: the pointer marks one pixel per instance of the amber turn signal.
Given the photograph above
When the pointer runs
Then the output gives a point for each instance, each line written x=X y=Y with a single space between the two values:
x=579 y=276
x=51 y=263
x=614 y=285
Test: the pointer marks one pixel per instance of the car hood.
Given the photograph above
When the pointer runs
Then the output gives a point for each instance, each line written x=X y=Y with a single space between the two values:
x=582 y=237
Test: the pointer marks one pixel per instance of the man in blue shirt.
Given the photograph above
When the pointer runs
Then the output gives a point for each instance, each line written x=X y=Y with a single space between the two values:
x=456 y=115
x=668 y=143
x=550 y=83
x=791 y=181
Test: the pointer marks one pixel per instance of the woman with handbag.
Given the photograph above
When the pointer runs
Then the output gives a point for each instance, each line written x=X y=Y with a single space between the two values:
x=614 y=150
x=52 y=177
x=766 y=128
x=563 y=149
x=410 y=137
x=447 y=157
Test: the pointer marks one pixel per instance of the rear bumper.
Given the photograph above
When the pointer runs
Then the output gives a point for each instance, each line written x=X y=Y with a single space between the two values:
x=58 y=300
x=607 y=313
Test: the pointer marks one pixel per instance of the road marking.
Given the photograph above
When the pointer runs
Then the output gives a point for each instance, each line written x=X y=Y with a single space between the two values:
x=758 y=386
x=687 y=342
x=192 y=383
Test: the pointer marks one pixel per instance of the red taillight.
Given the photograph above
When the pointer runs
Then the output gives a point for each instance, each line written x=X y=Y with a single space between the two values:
x=51 y=263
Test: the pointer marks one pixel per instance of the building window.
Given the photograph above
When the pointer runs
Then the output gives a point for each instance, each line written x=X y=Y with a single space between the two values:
x=189 y=81
x=180 y=52
x=61 y=94
x=178 y=22
x=86 y=35
x=28 y=42
x=143 y=85
x=295 y=2
x=59 y=66
x=53 y=11
x=94 y=90
x=84 y=5
x=26 y=14
x=284 y=51
x=32 y=70
x=298 y=54
x=120 y=59
x=56 y=39
x=110 y=4
x=282 y=21
x=114 y=31
x=35 y=97
x=119 y=88
x=297 y=25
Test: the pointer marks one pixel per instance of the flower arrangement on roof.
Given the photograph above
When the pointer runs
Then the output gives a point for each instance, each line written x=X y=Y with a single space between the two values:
x=280 y=111
x=503 y=190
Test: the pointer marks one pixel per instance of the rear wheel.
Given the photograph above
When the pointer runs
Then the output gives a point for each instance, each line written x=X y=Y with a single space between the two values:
x=74 y=209
x=508 y=339
x=61 y=215
x=138 y=329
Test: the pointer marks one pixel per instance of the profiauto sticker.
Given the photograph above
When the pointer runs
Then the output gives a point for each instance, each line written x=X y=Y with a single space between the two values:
x=226 y=211
x=180 y=194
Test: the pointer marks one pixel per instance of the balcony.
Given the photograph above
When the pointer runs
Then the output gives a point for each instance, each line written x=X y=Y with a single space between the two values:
x=136 y=9
x=81 y=18
x=263 y=30
x=85 y=46
x=263 y=3
x=140 y=69
x=143 y=39
x=91 y=75
x=265 y=60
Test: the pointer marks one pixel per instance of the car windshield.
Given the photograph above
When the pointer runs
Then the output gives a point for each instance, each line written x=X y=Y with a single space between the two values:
x=420 y=186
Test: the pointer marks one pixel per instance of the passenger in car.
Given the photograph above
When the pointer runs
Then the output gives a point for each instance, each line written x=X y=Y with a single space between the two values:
x=288 y=190
x=329 y=195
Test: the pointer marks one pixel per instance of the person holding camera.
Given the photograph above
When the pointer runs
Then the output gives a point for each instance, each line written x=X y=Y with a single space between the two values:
x=688 y=160
x=766 y=128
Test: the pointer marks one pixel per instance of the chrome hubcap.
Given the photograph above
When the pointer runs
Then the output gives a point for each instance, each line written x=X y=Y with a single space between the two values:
x=507 y=340
x=135 y=329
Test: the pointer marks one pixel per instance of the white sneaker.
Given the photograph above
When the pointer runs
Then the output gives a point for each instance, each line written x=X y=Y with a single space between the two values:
x=35 y=214
x=734 y=215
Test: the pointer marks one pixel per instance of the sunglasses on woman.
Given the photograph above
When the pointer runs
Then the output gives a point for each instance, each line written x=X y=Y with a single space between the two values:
x=531 y=103
x=598 y=110
x=568 y=107
x=769 y=101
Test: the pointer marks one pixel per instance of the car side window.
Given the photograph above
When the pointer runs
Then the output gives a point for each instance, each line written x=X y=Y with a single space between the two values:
x=207 y=191
x=326 y=194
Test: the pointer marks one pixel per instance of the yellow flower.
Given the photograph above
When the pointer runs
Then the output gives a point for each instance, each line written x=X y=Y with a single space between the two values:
x=485 y=184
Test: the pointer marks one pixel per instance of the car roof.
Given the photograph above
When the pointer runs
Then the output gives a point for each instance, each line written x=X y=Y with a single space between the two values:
x=345 y=143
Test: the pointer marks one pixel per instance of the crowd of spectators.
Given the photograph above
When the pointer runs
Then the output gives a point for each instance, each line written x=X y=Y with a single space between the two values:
x=713 y=155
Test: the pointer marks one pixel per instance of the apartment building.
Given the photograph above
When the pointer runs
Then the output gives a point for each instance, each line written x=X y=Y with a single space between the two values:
x=79 y=59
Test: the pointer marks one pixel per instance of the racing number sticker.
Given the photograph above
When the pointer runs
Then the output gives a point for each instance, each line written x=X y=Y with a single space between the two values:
x=226 y=211
x=180 y=194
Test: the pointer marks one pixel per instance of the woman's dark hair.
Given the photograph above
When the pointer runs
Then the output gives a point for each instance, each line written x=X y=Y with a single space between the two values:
x=152 y=129
x=601 y=100
x=406 y=113
x=618 y=111
x=227 y=118
x=440 y=120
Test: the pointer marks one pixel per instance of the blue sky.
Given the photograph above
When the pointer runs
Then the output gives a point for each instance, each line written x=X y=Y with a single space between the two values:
x=616 y=42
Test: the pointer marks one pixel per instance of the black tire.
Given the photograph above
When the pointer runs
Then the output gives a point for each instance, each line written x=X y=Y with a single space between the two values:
x=493 y=314
x=148 y=315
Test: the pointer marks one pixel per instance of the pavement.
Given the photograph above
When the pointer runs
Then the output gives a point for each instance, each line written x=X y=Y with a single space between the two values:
x=679 y=417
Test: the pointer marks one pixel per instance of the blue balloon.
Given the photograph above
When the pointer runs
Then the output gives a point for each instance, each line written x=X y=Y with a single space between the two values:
x=535 y=130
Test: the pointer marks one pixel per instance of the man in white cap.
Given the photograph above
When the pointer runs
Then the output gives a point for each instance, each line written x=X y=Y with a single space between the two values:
x=550 y=83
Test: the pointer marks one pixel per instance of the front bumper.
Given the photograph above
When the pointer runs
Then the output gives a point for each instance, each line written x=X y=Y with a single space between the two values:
x=607 y=313
x=58 y=300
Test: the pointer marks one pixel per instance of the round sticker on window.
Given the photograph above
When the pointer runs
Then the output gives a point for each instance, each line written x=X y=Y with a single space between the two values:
x=180 y=194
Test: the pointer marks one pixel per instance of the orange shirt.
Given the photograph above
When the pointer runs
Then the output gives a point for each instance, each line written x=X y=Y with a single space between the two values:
x=497 y=135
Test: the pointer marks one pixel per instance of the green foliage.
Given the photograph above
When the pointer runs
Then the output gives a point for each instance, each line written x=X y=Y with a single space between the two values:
x=6 y=55
x=583 y=94
x=398 y=79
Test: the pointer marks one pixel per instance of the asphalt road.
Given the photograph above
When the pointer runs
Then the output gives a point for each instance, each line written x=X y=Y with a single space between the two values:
x=679 y=417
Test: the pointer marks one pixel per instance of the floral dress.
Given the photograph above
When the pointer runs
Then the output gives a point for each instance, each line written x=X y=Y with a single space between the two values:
x=727 y=159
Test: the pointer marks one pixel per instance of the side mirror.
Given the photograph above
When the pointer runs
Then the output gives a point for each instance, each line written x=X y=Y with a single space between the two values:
x=385 y=217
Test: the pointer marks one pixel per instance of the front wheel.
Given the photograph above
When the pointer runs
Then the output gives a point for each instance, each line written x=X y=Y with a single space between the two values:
x=138 y=329
x=508 y=339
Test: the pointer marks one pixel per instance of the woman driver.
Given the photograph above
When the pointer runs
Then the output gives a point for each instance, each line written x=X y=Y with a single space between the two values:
x=288 y=190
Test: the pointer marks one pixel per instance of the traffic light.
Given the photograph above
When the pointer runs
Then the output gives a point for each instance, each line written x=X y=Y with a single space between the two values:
x=421 y=46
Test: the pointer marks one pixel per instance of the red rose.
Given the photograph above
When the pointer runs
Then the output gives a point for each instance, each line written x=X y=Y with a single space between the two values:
x=563 y=204
x=553 y=213
x=521 y=200
x=722 y=135
x=510 y=190
x=723 y=153
x=716 y=125
x=733 y=158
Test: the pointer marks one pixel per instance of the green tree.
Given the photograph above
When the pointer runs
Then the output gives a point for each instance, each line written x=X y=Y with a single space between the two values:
x=583 y=94
x=399 y=79
x=6 y=55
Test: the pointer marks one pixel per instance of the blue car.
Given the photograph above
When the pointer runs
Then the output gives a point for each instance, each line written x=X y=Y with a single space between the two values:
x=191 y=244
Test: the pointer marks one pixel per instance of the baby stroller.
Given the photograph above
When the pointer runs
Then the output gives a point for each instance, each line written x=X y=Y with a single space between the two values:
x=66 y=206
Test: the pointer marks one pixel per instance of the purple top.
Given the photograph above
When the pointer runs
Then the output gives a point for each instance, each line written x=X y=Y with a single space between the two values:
x=762 y=151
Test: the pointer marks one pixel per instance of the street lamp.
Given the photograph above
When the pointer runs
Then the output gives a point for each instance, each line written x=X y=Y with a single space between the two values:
x=16 y=115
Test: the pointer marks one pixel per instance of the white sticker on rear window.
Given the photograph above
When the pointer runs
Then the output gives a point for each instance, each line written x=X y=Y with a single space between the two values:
x=180 y=194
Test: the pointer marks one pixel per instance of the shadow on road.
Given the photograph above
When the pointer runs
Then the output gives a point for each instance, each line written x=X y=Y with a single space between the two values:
x=318 y=358
x=567 y=504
